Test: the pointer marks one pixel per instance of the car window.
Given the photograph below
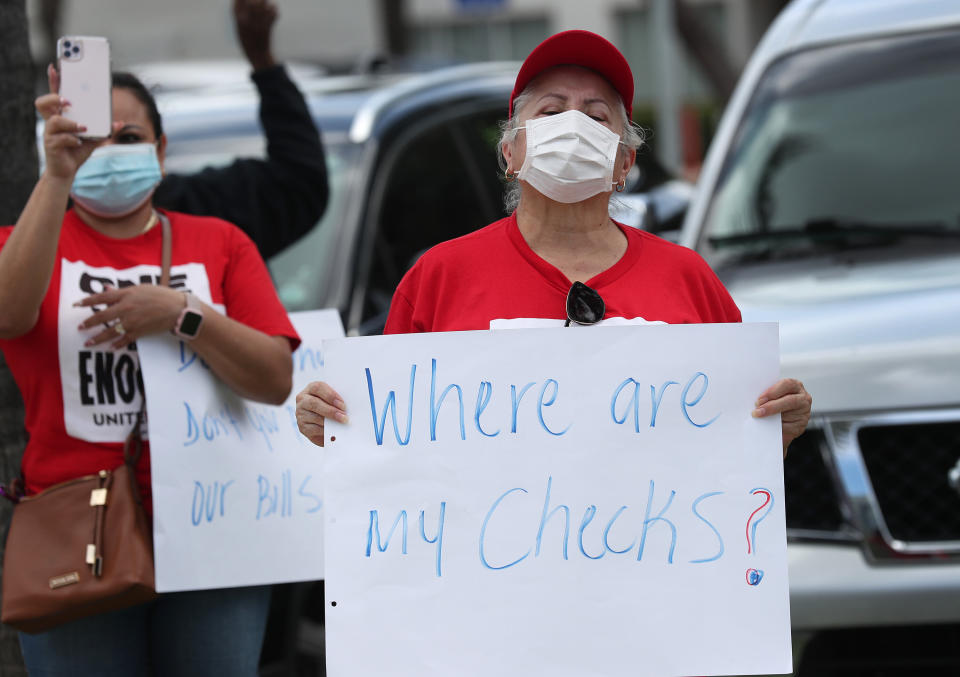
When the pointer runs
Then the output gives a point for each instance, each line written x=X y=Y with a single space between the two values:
x=189 y=155
x=439 y=183
x=844 y=147
x=302 y=272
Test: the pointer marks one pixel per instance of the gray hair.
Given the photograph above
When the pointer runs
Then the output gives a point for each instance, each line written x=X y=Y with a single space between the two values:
x=632 y=137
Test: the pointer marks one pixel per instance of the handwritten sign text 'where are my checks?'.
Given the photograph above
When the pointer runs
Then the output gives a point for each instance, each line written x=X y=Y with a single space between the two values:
x=237 y=490
x=593 y=501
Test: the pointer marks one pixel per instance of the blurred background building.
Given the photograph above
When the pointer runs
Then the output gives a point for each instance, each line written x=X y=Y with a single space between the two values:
x=686 y=54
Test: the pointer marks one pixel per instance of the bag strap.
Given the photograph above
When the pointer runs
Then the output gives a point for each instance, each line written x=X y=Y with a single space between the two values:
x=133 y=445
x=166 y=252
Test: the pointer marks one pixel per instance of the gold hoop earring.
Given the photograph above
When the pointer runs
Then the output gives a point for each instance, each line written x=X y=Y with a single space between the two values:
x=622 y=185
x=509 y=176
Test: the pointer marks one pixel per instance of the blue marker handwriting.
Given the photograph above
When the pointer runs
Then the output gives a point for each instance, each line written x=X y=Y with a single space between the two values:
x=228 y=422
x=276 y=495
x=375 y=538
x=530 y=405
x=210 y=425
x=279 y=495
x=307 y=359
x=629 y=392
x=657 y=528
x=660 y=520
x=209 y=501
x=189 y=358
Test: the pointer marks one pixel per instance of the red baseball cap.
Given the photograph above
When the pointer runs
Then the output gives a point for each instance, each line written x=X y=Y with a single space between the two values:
x=578 y=48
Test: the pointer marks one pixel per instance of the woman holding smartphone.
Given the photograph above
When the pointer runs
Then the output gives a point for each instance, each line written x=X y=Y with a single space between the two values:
x=78 y=288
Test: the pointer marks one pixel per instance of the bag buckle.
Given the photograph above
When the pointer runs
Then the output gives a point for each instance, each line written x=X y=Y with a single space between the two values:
x=94 y=560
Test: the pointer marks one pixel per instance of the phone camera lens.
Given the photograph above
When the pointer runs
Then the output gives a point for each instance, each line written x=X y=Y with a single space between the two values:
x=66 y=43
x=76 y=50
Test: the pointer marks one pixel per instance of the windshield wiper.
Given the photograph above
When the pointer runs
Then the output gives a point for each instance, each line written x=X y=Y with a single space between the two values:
x=819 y=236
x=837 y=231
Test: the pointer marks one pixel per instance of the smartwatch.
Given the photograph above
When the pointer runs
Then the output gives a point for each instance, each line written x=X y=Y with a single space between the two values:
x=190 y=321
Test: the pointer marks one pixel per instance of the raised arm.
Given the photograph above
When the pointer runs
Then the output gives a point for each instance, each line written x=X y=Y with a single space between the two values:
x=275 y=200
x=27 y=258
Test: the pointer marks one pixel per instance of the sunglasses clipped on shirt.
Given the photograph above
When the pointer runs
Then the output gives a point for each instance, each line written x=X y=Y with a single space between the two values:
x=584 y=305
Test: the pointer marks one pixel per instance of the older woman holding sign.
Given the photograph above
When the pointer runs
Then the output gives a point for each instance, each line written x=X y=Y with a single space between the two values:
x=559 y=259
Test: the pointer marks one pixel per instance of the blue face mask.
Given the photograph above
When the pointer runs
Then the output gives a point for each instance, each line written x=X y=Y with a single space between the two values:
x=117 y=179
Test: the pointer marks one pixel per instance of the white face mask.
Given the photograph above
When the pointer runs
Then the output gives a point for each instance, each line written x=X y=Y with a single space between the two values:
x=570 y=157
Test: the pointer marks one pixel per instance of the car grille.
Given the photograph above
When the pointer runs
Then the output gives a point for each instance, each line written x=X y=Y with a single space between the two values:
x=810 y=495
x=908 y=467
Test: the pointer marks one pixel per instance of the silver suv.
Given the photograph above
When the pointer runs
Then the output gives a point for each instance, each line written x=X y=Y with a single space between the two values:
x=830 y=202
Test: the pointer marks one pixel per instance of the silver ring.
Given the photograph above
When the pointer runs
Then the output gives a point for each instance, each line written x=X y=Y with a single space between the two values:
x=118 y=327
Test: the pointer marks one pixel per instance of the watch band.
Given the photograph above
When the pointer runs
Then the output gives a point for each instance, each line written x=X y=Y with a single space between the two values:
x=190 y=321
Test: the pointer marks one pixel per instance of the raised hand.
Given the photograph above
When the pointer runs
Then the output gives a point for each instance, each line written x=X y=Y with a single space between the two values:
x=254 y=21
x=65 y=151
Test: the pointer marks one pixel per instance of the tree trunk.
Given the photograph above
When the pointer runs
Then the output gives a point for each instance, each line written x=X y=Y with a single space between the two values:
x=51 y=18
x=18 y=174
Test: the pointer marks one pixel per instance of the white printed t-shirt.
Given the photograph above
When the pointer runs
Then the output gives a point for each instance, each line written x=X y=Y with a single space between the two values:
x=81 y=403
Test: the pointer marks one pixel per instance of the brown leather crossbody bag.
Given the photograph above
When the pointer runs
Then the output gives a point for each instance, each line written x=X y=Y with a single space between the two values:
x=84 y=546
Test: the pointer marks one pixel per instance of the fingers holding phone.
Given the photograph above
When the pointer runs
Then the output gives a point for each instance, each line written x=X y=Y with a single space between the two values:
x=64 y=149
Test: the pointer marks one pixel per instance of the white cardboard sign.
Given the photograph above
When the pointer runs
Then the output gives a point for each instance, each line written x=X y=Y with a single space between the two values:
x=237 y=491
x=553 y=502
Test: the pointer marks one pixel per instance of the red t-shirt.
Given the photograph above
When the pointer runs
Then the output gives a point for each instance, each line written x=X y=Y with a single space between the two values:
x=492 y=279
x=80 y=403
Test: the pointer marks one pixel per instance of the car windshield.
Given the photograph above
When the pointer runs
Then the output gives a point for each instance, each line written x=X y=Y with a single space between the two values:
x=844 y=147
x=299 y=272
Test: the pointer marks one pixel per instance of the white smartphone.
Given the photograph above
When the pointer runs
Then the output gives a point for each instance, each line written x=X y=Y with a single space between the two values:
x=85 y=83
